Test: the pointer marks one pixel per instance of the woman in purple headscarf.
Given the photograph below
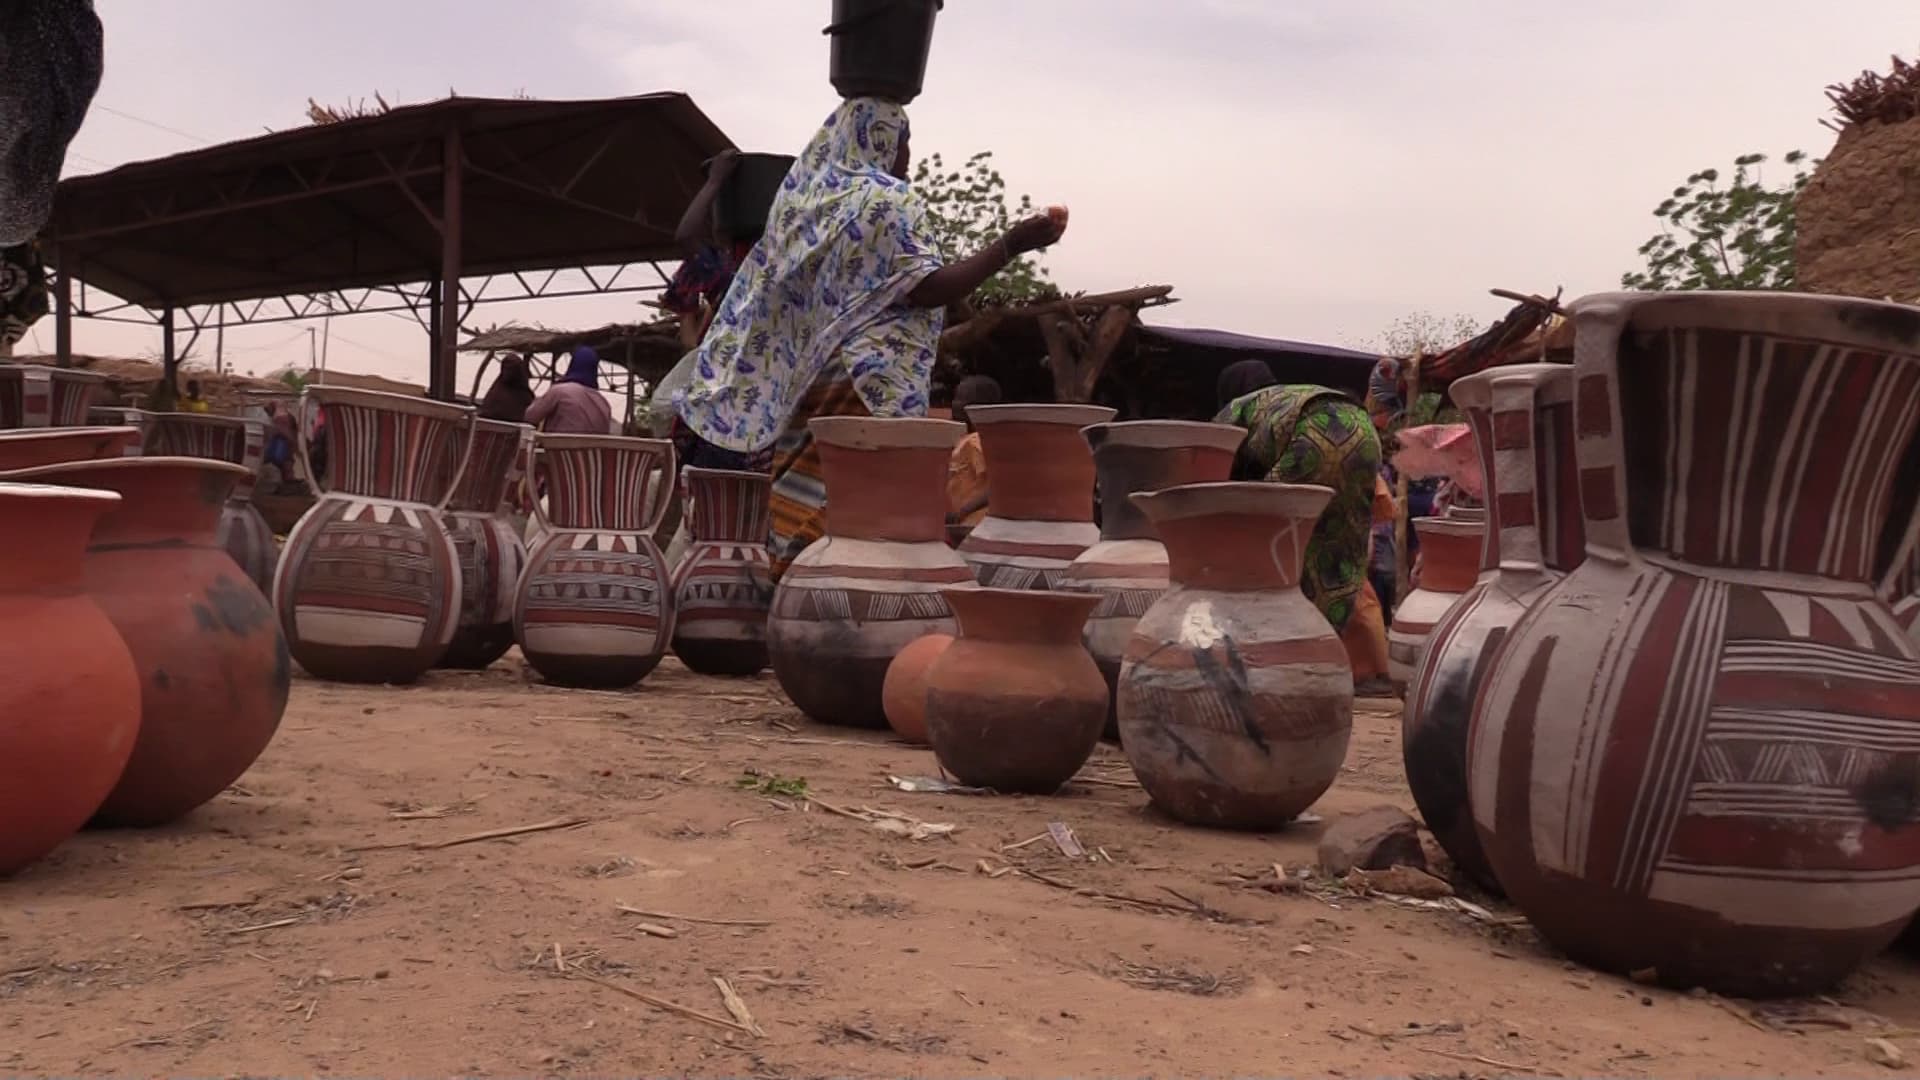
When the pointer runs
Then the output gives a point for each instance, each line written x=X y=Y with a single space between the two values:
x=574 y=405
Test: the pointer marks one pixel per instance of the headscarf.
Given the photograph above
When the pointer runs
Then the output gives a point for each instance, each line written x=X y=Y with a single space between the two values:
x=845 y=245
x=512 y=391
x=49 y=70
x=583 y=368
x=1242 y=378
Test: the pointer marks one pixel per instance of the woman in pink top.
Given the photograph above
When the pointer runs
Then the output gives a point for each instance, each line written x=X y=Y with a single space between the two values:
x=574 y=405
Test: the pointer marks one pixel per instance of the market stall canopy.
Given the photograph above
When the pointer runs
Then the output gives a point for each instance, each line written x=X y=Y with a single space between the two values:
x=1291 y=361
x=545 y=185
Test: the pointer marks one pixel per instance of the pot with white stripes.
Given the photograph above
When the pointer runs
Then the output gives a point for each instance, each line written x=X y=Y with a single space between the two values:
x=37 y=396
x=368 y=586
x=1450 y=553
x=1040 y=480
x=595 y=605
x=489 y=547
x=1698 y=754
x=244 y=534
x=1522 y=421
x=722 y=591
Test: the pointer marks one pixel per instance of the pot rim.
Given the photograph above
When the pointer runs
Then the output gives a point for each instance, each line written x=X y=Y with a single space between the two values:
x=1876 y=325
x=1552 y=383
x=1165 y=434
x=76 y=432
x=128 y=464
x=726 y=474
x=381 y=399
x=72 y=374
x=1077 y=416
x=603 y=442
x=888 y=433
x=1448 y=526
x=1234 y=497
x=501 y=426
x=24 y=489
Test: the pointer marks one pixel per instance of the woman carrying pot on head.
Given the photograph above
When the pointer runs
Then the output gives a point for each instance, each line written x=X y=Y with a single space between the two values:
x=837 y=311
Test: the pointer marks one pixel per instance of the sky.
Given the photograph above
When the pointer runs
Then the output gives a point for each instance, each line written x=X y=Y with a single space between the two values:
x=1308 y=169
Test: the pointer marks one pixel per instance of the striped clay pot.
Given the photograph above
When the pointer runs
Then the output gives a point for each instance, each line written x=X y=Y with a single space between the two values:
x=1699 y=753
x=1039 y=497
x=1449 y=565
x=35 y=396
x=721 y=588
x=244 y=534
x=490 y=550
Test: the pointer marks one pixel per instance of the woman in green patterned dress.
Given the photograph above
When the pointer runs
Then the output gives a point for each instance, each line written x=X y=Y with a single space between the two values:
x=1311 y=435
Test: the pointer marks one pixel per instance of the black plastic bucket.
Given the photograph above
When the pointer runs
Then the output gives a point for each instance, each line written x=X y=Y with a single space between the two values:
x=880 y=47
x=747 y=197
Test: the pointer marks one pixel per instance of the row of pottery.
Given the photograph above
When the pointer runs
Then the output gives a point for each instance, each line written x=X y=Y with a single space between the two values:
x=1674 y=718
x=35 y=396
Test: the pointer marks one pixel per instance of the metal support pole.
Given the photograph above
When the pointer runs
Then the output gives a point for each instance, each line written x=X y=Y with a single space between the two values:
x=169 y=360
x=434 y=306
x=63 y=318
x=445 y=349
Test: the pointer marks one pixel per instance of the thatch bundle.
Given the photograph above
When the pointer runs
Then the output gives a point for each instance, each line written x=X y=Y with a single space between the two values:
x=1858 y=220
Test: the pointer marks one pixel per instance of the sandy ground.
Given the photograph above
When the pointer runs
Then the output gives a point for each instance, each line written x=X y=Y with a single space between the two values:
x=305 y=922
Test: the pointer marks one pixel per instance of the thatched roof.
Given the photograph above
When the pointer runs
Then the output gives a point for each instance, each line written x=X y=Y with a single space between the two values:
x=1857 y=224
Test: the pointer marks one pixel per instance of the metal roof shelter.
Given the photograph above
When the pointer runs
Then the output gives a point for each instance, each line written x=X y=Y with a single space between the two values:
x=386 y=213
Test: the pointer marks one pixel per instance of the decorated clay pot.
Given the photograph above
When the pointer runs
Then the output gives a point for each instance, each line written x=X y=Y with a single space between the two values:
x=1905 y=589
x=721 y=588
x=50 y=446
x=70 y=701
x=213 y=665
x=1695 y=754
x=871 y=585
x=368 y=587
x=118 y=416
x=595 y=606
x=1040 y=494
x=1449 y=567
x=487 y=544
x=32 y=396
x=1522 y=420
x=244 y=534
x=1236 y=698
x=1127 y=569
x=1016 y=703
x=904 y=694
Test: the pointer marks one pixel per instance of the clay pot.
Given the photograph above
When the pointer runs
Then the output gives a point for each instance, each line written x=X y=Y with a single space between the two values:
x=34 y=396
x=595 y=605
x=70 y=698
x=1236 y=697
x=213 y=666
x=117 y=416
x=871 y=585
x=243 y=533
x=1016 y=703
x=487 y=545
x=1693 y=755
x=1127 y=569
x=1449 y=567
x=51 y=446
x=368 y=587
x=904 y=694
x=1040 y=495
x=1522 y=419
x=721 y=587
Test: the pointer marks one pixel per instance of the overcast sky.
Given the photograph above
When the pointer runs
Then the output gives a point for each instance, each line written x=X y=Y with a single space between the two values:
x=1310 y=169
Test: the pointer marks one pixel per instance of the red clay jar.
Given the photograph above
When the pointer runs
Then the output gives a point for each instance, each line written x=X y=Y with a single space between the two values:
x=213 y=665
x=1449 y=567
x=1016 y=703
x=50 y=446
x=70 y=701
x=1039 y=496
x=721 y=586
x=904 y=694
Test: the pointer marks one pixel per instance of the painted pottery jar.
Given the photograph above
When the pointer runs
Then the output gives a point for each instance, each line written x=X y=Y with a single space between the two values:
x=213 y=665
x=244 y=534
x=721 y=588
x=1906 y=592
x=50 y=446
x=904 y=694
x=871 y=585
x=1695 y=754
x=595 y=606
x=1039 y=497
x=71 y=697
x=368 y=587
x=119 y=416
x=1236 y=696
x=488 y=546
x=33 y=396
x=1127 y=569
x=1522 y=421
x=1450 y=553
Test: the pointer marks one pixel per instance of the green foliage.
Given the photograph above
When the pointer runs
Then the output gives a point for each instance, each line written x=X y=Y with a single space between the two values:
x=1424 y=332
x=295 y=381
x=968 y=210
x=792 y=787
x=1736 y=236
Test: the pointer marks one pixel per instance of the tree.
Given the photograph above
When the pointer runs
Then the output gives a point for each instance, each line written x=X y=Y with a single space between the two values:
x=1424 y=332
x=1739 y=236
x=967 y=210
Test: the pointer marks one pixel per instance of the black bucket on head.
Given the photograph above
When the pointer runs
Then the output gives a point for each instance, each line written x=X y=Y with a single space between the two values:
x=746 y=199
x=880 y=47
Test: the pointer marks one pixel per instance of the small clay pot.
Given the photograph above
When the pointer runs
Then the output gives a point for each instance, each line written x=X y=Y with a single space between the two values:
x=1450 y=550
x=904 y=694
x=1016 y=703
x=32 y=448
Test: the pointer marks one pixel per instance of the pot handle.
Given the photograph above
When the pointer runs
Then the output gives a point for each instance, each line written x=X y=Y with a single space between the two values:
x=1597 y=427
x=669 y=479
x=533 y=484
x=1515 y=399
x=303 y=432
x=466 y=458
x=1903 y=573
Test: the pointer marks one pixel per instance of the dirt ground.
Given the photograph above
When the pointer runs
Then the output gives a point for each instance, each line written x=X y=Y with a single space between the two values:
x=313 y=920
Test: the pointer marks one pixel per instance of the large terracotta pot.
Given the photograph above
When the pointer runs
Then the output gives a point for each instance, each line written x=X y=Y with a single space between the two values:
x=1695 y=755
x=70 y=701
x=871 y=585
x=1522 y=419
x=213 y=665
x=488 y=546
x=368 y=587
x=1039 y=497
x=243 y=533
x=1016 y=703
x=904 y=694
x=33 y=396
x=1127 y=569
x=51 y=446
x=721 y=590
x=1236 y=697
x=595 y=606
x=1450 y=552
